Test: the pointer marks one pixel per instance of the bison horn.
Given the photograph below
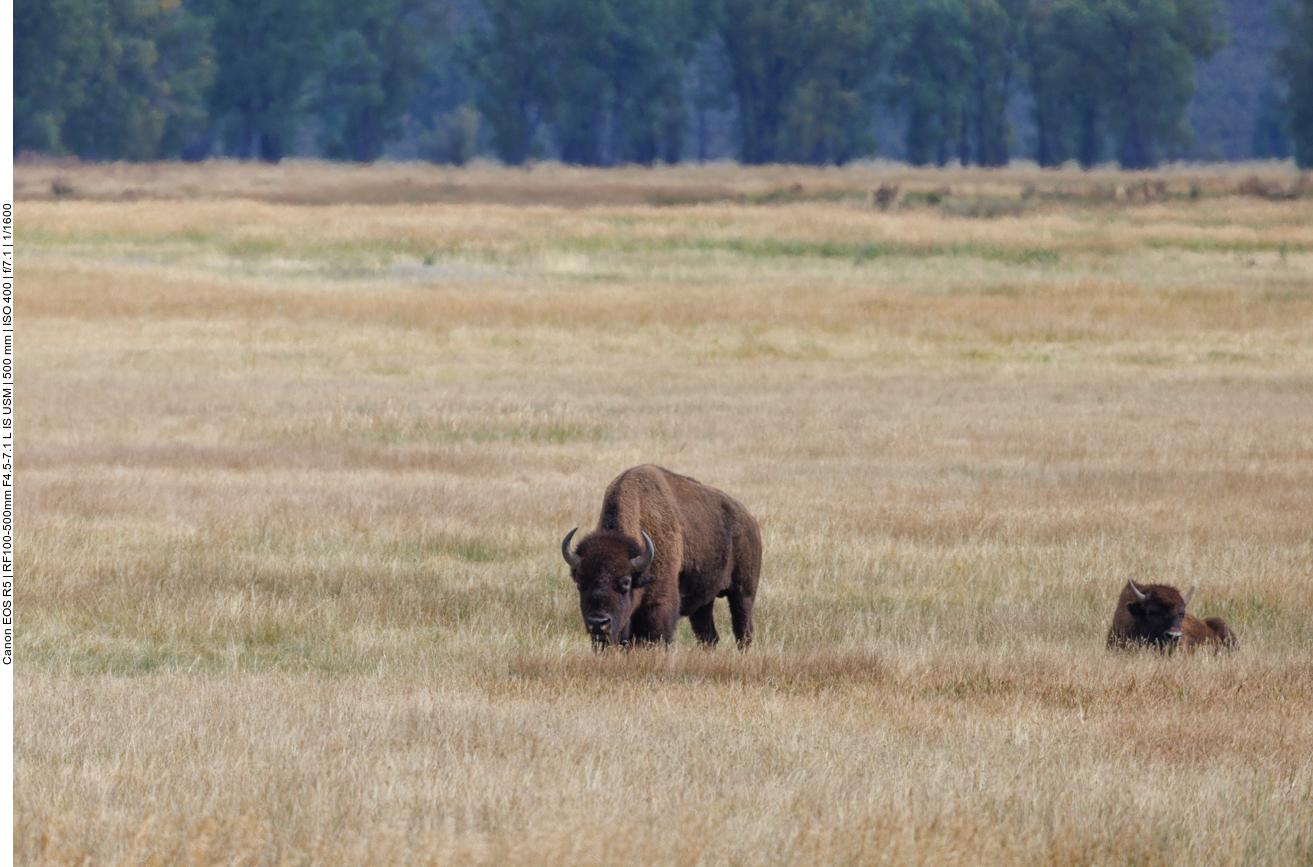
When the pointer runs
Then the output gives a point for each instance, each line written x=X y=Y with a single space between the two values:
x=1188 y=595
x=570 y=557
x=1138 y=593
x=642 y=561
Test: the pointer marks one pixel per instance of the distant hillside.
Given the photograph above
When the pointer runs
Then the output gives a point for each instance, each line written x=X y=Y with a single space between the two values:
x=1229 y=87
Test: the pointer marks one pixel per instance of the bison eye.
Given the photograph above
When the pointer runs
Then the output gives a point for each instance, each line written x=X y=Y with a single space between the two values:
x=623 y=584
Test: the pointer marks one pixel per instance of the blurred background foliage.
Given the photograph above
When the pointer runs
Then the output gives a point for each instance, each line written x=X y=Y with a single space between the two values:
x=603 y=82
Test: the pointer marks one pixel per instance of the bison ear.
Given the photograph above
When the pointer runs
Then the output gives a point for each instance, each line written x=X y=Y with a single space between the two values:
x=1135 y=609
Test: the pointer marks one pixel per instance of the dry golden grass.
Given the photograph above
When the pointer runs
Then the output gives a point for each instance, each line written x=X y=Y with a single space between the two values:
x=298 y=449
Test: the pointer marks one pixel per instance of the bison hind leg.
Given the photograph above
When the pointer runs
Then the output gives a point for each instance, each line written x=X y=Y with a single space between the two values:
x=740 y=615
x=704 y=625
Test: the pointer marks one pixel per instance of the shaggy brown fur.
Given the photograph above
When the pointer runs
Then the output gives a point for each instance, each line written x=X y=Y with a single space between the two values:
x=1210 y=631
x=1154 y=615
x=705 y=545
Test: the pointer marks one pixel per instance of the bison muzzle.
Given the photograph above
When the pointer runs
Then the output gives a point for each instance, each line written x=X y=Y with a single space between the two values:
x=1154 y=616
x=666 y=546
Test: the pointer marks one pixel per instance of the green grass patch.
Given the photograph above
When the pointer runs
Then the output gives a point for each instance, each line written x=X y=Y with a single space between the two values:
x=253 y=248
x=1212 y=245
x=1244 y=614
x=469 y=549
x=1224 y=357
x=974 y=683
x=770 y=248
x=786 y=248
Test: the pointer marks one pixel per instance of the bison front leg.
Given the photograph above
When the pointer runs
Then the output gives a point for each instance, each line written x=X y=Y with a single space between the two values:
x=703 y=622
x=740 y=615
x=655 y=624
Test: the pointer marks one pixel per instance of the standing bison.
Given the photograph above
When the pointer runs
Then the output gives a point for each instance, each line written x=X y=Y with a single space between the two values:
x=1154 y=615
x=666 y=546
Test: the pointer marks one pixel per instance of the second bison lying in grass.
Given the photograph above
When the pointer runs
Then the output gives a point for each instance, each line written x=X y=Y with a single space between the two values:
x=1154 y=616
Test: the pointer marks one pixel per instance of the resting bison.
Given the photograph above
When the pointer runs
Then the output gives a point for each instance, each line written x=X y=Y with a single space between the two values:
x=1154 y=615
x=666 y=546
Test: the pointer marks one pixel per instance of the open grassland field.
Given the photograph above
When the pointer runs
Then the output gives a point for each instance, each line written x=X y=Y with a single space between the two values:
x=298 y=446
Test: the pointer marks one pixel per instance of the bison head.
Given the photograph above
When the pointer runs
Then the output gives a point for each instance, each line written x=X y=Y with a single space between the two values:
x=608 y=567
x=1158 y=611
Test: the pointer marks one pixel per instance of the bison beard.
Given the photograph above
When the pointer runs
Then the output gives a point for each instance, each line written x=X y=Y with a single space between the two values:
x=1154 y=616
x=697 y=544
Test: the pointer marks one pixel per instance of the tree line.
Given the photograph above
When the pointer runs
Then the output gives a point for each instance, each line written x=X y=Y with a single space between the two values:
x=600 y=82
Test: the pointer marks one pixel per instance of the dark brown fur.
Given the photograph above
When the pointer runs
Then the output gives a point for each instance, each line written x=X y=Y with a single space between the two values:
x=1160 y=621
x=1210 y=631
x=705 y=545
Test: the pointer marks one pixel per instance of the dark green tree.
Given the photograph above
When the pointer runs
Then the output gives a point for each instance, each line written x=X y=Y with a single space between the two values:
x=1119 y=71
x=955 y=66
x=1045 y=62
x=932 y=61
x=1152 y=46
x=579 y=87
x=376 y=56
x=57 y=45
x=442 y=114
x=108 y=79
x=828 y=118
x=1270 y=124
x=186 y=64
x=1294 y=64
x=768 y=53
x=510 y=59
x=1067 y=81
x=708 y=89
x=266 y=51
x=647 y=50
x=996 y=34
x=803 y=73
x=603 y=77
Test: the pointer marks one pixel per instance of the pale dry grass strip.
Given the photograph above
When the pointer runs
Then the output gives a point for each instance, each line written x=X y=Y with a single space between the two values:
x=308 y=182
x=769 y=760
